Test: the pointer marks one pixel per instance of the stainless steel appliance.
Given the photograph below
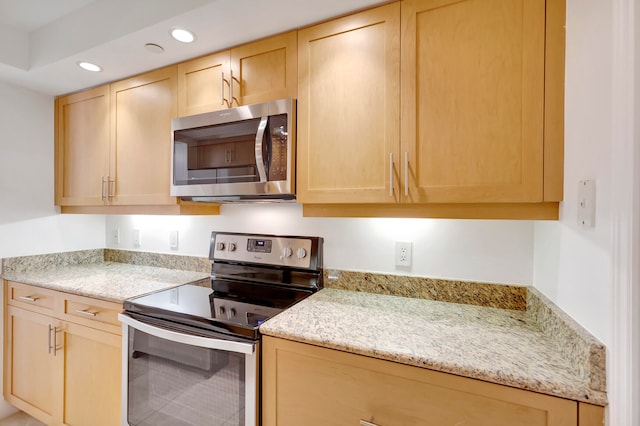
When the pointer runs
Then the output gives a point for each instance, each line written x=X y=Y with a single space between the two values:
x=236 y=154
x=191 y=354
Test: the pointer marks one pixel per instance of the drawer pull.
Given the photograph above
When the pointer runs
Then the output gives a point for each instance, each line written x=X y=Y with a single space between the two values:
x=28 y=298
x=366 y=423
x=86 y=313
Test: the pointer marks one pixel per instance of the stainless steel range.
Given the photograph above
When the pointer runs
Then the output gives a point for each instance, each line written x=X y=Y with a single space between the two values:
x=191 y=354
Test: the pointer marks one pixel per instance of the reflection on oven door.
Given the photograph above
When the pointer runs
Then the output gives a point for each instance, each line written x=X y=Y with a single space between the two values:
x=171 y=383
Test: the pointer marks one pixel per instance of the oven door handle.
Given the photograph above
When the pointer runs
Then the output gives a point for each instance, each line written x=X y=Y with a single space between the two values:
x=205 y=342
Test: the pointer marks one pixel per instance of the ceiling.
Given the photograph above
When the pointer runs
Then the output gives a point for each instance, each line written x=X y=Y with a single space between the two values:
x=41 y=41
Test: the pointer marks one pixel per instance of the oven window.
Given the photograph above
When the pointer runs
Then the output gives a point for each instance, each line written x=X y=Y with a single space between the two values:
x=175 y=384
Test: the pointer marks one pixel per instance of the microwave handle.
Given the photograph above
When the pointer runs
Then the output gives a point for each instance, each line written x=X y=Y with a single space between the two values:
x=262 y=172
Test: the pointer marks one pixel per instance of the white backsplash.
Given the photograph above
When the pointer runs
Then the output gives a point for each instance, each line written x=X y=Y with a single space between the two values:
x=496 y=251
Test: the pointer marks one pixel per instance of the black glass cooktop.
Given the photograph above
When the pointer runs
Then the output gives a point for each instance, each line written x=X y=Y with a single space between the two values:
x=229 y=308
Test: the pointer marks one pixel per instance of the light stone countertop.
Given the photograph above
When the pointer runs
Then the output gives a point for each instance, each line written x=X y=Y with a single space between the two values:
x=110 y=281
x=495 y=345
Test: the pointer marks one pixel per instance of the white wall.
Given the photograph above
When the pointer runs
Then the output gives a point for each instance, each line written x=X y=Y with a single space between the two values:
x=29 y=222
x=488 y=251
x=572 y=265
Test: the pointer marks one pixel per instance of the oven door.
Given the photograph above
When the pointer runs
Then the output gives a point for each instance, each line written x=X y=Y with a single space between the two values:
x=175 y=378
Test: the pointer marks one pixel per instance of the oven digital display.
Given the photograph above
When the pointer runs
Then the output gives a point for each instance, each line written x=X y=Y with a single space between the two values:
x=258 y=246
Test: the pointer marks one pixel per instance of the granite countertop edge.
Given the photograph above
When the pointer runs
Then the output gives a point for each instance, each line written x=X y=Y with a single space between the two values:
x=115 y=276
x=292 y=325
x=87 y=291
x=109 y=275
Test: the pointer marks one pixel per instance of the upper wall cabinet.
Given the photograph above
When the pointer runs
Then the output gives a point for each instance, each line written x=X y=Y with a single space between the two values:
x=349 y=108
x=82 y=148
x=141 y=113
x=480 y=121
x=472 y=101
x=255 y=72
x=113 y=148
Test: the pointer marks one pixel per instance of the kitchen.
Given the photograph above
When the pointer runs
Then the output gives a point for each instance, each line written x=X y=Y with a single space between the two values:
x=559 y=258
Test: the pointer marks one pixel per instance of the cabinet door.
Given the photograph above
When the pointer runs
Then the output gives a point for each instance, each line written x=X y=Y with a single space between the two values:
x=351 y=388
x=30 y=363
x=82 y=147
x=90 y=376
x=203 y=84
x=473 y=100
x=348 y=109
x=141 y=113
x=265 y=70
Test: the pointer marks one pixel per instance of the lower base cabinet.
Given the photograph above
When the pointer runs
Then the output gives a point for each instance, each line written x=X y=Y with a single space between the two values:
x=305 y=384
x=62 y=362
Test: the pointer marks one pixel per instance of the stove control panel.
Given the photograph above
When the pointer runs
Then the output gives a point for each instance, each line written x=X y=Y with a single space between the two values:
x=264 y=249
x=242 y=313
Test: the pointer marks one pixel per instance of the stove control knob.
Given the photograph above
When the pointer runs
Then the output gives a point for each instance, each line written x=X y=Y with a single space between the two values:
x=221 y=246
x=221 y=310
x=232 y=246
x=287 y=252
x=231 y=313
x=301 y=253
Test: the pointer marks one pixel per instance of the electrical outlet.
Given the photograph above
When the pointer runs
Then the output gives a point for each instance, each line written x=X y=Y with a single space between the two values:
x=115 y=236
x=137 y=239
x=173 y=240
x=403 y=253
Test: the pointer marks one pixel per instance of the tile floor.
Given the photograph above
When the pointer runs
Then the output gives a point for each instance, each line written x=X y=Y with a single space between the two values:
x=20 y=419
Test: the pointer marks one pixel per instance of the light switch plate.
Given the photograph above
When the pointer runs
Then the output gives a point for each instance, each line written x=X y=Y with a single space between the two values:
x=137 y=238
x=173 y=240
x=586 y=203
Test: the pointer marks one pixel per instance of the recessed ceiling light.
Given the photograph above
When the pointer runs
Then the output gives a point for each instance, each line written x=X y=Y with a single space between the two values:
x=89 y=66
x=185 y=36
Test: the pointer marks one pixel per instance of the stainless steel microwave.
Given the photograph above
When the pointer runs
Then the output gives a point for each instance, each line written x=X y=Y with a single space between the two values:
x=238 y=154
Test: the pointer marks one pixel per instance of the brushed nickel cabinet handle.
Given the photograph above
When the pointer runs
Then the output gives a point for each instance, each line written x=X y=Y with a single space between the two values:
x=55 y=340
x=391 y=174
x=28 y=298
x=231 y=89
x=111 y=188
x=366 y=423
x=86 y=313
x=51 y=347
x=222 y=88
x=406 y=173
x=103 y=189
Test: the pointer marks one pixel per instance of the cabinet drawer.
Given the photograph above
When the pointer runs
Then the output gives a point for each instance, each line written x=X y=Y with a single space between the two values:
x=92 y=312
x=30 y=297
x=356 y=389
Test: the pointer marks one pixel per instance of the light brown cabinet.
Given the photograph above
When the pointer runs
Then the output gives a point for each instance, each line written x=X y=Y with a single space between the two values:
x=82 y=148
x=255 y=72
x=141 y=111
x=62 y=356
x=479 y=127
x=30 y=368
x=473 y=100
x=113 y=148
x=305 y=384
x=348 y=108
